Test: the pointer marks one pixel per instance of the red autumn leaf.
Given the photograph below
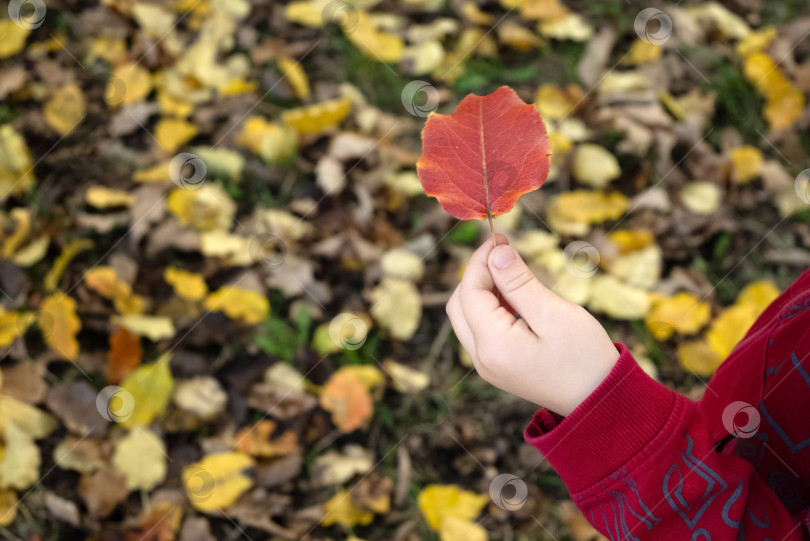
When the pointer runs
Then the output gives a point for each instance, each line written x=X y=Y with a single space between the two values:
x=478 y=160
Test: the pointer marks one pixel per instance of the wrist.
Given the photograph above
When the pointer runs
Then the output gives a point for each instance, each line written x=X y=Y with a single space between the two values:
x=587 y=378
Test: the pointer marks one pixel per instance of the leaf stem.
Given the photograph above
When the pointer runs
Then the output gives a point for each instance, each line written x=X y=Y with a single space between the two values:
x=491 y=228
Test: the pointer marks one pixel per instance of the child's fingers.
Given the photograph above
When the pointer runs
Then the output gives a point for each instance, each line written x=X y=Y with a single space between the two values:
x=485 y=316
x=519 y=286
x=460 y=326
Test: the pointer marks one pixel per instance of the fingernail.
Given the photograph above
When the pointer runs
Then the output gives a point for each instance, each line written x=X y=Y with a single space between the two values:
x=502 y=256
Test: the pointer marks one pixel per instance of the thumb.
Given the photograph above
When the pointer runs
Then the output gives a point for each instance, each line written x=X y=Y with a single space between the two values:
x=519 y=286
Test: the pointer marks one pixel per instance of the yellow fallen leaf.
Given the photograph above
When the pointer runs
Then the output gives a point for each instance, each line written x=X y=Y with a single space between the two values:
x=319 y=117
x=16 y=164
x=758 y=295
x=571 y=26
x=438 y=502
x=701 y=197
x=155 y=328
x=784 y=107
x=8 y=506
x=223 y=162
x=12 y=325
x=375 y=43
x=294 y=74
x=553 y=102
x=347 y=398
x=187 y=285
x=406 y=379
x=103 y=280
x=64 y=324
x=111 y=49
x=423 y=57
x=66 y=108
x=32 y=253
x=595 y=166
x=471 y=10
x=403 y=264
x=238 y=86
x=69 y=252
x=728 y=23
x=13 y=37
x=643 y=52
x=784 y=102
x=339 y=510
x=248 y=306
x=631 y=240
x=101 y=197
x=207 y=208
x=729 y=328
x=618 y=300
x=640 y=269
x=174 y=106
x=150 y=386
x=172 y=133
x=334 y=468
x=129 y=83
x=272 y=142
x=756 y=41
x=20 y=460
x=141 y=457
x=203 y=396
x=217 y=481
x=156 y=173
x=746 y=164
x=34 y=421
x=397 y=306
x=699 y=357
x=517 y=36
x=456 y=529
x=574 y=212
x=305 y=12
x=233 y=250
x=683 y=312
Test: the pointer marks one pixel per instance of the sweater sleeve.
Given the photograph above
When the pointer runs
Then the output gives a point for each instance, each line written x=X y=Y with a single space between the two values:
x=640 y=464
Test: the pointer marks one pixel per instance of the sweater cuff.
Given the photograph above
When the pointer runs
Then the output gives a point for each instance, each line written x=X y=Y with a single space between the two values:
x=610 y=427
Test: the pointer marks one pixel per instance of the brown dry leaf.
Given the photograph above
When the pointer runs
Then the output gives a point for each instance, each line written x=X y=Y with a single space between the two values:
x=103 y=491
x=255 y=440
x=124 y=356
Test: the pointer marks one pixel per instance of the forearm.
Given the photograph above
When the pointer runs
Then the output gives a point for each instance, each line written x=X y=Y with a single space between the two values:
x=639 y=463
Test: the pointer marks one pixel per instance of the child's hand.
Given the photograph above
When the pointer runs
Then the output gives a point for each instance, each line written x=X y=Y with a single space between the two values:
x=555 y=355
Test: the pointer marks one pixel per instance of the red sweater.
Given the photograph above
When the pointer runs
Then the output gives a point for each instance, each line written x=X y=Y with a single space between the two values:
x=643 y=462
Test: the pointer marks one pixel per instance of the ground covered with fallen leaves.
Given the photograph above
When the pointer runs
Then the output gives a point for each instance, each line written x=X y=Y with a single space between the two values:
x=223 y=287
